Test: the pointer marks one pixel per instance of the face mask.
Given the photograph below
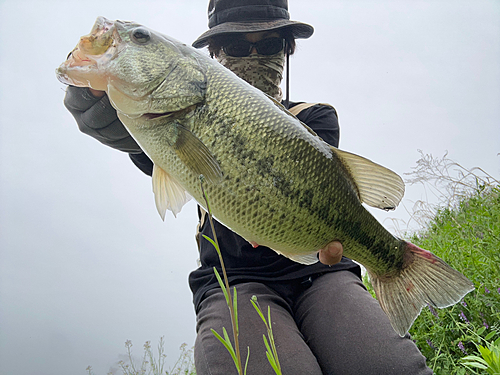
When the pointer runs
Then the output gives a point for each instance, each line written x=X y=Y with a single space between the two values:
x=262 y=72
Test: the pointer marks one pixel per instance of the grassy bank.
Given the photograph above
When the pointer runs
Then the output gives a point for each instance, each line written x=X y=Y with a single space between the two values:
x=463 y=228
x=468 y=238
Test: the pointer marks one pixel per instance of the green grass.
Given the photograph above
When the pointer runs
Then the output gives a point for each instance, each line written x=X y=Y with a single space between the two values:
x=467 y=237
x=462 y=228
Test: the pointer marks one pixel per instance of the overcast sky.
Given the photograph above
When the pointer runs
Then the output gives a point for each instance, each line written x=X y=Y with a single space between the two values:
x=85 y=261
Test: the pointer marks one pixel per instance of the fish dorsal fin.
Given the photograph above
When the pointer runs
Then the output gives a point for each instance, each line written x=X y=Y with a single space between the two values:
x=169 y=194
x=277 y=103
x=294 y=111
x=304 y=258
x=377 y=186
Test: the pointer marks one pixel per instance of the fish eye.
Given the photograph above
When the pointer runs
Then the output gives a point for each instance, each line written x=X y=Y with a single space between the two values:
x=141 y=35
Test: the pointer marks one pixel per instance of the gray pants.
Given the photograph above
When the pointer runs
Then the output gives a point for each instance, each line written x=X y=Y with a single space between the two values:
x=332 y=326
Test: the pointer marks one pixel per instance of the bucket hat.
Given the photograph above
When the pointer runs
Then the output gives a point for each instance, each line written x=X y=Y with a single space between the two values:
x=248 y=16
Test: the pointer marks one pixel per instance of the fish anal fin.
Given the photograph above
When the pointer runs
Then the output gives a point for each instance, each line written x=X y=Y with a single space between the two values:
x=196 y=156
x=377 y=186
x=426 y=279
x=169 y=194
x=304 y=258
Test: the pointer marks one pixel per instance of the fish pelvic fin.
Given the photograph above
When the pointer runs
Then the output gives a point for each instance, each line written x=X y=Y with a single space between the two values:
x=377 y=186
x=304 y=258
x=169 y=194
x=426 y=279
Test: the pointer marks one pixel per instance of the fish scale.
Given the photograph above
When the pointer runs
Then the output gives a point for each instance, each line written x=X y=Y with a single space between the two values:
x=298 y=232
x=268 y=177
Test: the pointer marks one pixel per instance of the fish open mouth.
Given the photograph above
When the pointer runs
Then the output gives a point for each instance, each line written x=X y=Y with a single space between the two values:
x=97 y=43
x=96 y=48
x=77 y=58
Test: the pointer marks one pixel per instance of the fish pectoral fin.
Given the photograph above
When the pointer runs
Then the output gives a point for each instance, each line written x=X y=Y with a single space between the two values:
x=196 y=156
x=169 y=194
x=377 y=186
x=304 y=258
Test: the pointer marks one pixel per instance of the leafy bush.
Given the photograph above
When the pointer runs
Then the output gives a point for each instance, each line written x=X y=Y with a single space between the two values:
x=463 y=228
x=468 y=238
x=490 y=360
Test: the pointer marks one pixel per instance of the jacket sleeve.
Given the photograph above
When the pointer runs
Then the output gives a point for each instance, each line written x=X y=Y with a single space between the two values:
x=323 y=120
x=143 y=162
x=97 y=118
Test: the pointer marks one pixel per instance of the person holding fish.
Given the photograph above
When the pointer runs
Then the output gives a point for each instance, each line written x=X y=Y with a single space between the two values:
x=324 y=319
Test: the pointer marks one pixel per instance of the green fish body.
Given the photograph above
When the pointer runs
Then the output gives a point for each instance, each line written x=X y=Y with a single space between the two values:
x=268 y=177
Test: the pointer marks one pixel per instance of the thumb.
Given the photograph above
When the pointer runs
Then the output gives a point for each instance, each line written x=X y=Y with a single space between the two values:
x=331 y=253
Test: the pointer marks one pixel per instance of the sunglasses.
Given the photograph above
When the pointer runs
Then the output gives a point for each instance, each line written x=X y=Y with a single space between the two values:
x=242 y=47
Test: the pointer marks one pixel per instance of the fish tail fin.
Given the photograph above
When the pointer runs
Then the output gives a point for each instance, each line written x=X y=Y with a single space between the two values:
x=425 y=279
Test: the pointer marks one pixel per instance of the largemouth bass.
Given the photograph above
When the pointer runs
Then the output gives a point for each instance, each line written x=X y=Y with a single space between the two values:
x=268 y=176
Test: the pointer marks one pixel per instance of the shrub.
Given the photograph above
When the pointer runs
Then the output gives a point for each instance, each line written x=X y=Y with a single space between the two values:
x=154 y=365
x=462 y=228
x=468 y=238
